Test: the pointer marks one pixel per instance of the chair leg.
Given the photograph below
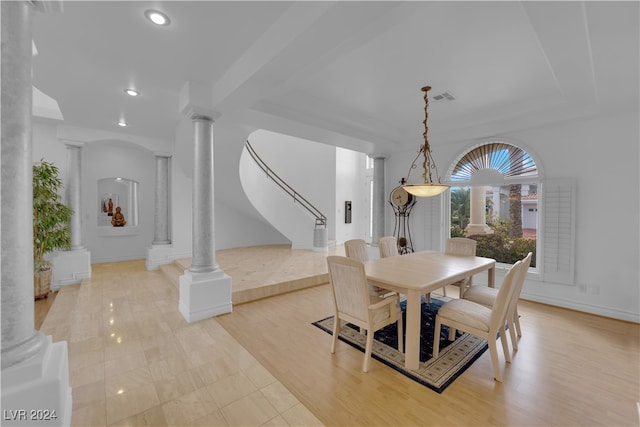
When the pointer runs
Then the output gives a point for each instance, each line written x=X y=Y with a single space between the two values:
x=444 y=291
x=512 y=333
x=428 y=298
x=400 y=337
x=367 y=352
x=505 y=345
x=436 y=337
x=336 y=331
x=493 y=349
x=516 y=320
x=452 y=333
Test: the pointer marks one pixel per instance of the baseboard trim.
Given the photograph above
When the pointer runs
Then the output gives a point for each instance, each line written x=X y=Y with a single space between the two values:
x=583 y=307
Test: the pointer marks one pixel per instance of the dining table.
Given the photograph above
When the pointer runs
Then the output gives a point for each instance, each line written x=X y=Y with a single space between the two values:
x=419 y=273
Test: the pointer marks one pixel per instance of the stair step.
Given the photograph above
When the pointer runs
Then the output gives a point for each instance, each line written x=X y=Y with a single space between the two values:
x=172 y=272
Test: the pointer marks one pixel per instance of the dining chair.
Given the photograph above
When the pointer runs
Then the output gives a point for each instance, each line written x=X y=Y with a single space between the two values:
x=486 y=296
x=465 y=247
x=388 y=246
x=354 y=304
x=481 y=321
x=357 y=249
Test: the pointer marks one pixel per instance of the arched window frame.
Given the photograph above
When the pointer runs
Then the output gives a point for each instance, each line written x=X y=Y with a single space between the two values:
x=555 y=240
x=485 y=173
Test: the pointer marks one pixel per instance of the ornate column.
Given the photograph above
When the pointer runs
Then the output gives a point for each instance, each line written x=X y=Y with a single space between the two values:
x=161 y=215
x=378 y=201
x=70 y=267
x=203 y=236
x=478 y=220
x=73 y=193
x=35 y=372
x=205 y=290
x=160 y=251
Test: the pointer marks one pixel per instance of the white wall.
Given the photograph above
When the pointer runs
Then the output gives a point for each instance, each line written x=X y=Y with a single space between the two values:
x=276 y=205
x=602 y=155
x=350 y=185
x=308 y=167
x=47 y=146
x=111 y=159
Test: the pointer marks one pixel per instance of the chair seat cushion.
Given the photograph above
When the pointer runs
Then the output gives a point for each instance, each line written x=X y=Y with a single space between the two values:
x=481 y=294
x=467 y=312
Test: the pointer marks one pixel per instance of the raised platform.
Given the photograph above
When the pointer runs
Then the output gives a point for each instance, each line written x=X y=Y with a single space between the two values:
x=262 y=271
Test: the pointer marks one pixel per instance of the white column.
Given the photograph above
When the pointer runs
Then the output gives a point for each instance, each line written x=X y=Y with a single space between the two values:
x=35 y=372
x=203 y=232
x=205 y=290
x=378 y=200
x=70 y=267
x=73 y=193
x=161 y=215
x=478 y=220
x=160 y=251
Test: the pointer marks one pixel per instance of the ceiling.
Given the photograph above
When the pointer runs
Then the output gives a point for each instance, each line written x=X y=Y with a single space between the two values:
x=344 y=73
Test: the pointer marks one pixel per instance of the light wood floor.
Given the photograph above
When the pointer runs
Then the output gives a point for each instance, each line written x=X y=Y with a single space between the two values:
x=571 y=369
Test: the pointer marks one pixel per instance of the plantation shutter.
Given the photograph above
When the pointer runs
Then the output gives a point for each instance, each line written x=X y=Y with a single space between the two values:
x=558 y=231
x=433 y=221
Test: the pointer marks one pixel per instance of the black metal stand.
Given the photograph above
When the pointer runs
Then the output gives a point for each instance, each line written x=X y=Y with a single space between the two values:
x=401 y=230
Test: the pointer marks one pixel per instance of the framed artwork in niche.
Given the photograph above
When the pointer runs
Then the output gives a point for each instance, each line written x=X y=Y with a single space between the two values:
x=108 y=204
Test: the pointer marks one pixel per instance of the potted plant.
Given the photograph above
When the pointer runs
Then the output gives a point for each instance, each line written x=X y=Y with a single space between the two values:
x=51 y=220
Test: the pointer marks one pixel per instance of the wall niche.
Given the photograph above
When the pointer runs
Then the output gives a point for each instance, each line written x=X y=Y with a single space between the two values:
x=114 y=193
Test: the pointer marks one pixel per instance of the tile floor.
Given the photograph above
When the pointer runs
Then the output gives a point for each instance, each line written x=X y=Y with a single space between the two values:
x=134 y=361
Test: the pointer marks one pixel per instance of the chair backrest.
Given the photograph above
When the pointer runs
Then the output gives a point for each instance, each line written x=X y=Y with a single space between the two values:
x=388 y=246
x=349 y=285
x=502 y=302
x=356 y=249
x=460 y=246
x=518 y=283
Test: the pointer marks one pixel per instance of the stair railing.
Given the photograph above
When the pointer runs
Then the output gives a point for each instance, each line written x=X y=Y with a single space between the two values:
x=320 y=218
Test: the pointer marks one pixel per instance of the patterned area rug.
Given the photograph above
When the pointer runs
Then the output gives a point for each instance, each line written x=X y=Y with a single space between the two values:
x=455 y=356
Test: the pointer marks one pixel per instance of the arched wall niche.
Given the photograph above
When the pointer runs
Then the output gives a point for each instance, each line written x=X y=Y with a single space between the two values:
x=114 y=193
x=125 y=173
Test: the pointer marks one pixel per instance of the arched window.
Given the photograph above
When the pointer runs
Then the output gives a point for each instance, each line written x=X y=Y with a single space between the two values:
x=494 y=200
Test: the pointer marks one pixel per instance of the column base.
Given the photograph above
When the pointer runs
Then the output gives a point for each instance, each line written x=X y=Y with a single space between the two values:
x=70 y=267
x=320 y=241
x=477 y=229
x=158 y=255
x=36 y=391
x=204 y=295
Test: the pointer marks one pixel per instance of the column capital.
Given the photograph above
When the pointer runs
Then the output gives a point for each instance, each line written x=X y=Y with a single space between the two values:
x=199 y=114
x=73 y=144
x=195 y=100
x=162 y=154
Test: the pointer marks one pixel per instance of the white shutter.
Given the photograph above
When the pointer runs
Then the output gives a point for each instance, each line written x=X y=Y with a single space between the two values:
x=432 y=208
x=558 y=231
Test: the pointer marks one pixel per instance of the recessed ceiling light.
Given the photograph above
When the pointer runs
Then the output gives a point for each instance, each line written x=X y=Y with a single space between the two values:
x=156 y=17
x=131 y=92
x=122 y=123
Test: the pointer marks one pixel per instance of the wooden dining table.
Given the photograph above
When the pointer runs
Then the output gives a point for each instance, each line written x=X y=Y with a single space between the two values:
x=417 y=274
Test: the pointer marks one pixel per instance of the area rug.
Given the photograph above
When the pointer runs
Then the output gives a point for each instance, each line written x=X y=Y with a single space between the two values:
x=455 y=356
